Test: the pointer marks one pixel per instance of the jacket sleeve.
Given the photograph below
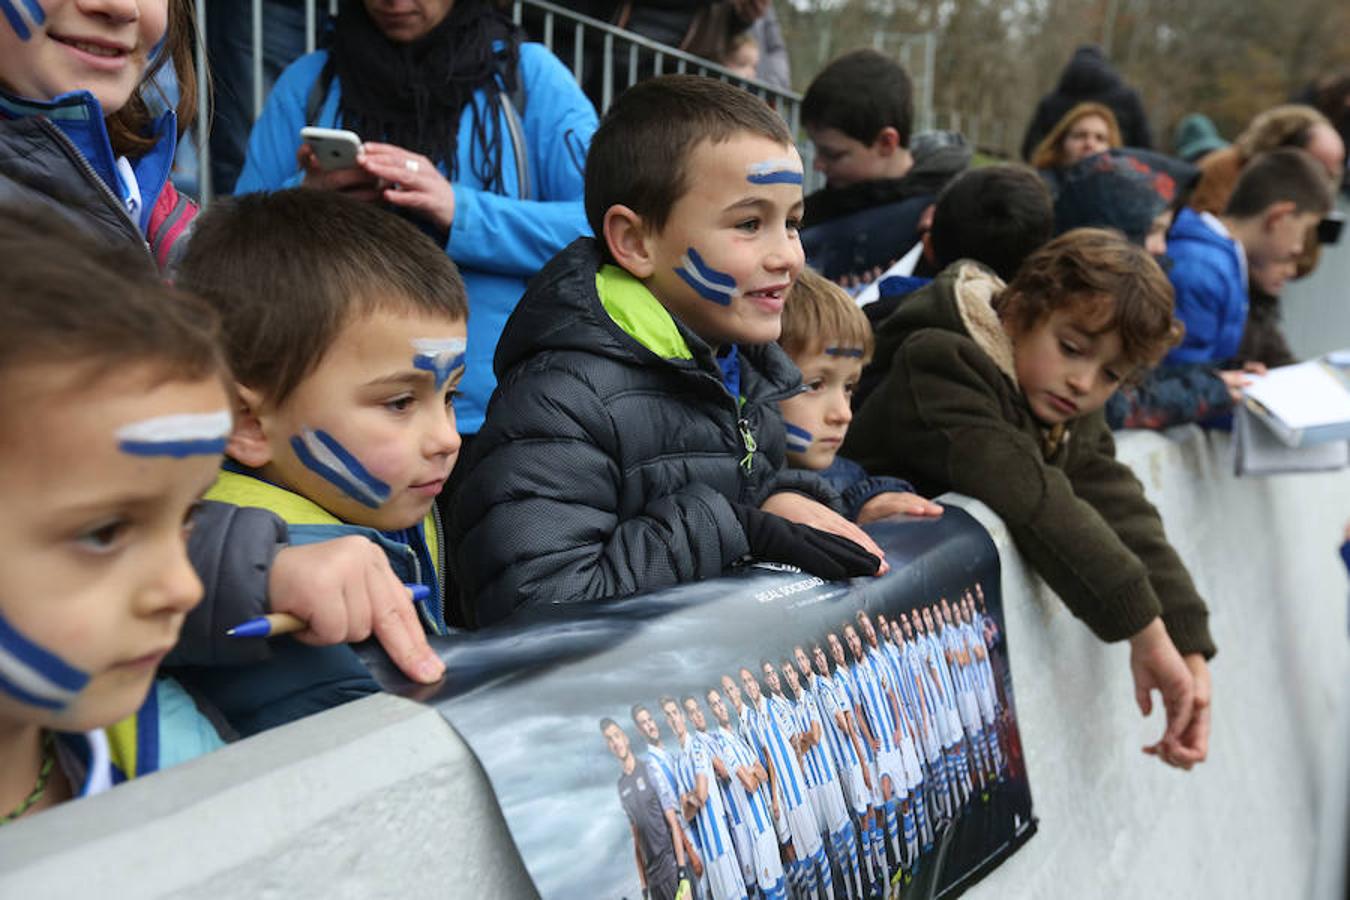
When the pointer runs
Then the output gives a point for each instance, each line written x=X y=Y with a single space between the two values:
x=856 y=487
x=1111 y=488
x=950 y=419
x=510 y=236
x=800 y=481
x=270 y=163
x=1169 y=395
x=1200 y=304
x=537 y=519
x=232 y=549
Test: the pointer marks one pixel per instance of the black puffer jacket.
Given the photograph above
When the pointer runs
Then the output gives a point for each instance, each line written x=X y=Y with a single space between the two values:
x=1090 y=77
x=604 y=469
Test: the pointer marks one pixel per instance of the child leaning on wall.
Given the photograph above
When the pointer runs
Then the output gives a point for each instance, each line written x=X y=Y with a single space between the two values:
x=829 y=339
x=997 y=392
x=344 y=327
x=634 y=441
x=112 y=423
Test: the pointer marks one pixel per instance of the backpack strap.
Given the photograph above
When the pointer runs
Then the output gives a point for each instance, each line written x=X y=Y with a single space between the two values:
x=513 y=109
x=318 y=92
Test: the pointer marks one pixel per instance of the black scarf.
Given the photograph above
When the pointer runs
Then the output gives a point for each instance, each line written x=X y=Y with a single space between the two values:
x=414 y=94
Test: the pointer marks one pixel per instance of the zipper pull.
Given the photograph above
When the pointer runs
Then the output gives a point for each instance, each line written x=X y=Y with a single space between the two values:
x=748 y=442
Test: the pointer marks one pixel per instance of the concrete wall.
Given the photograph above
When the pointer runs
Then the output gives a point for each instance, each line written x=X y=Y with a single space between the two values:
x=381 y=798
x=1114 y=822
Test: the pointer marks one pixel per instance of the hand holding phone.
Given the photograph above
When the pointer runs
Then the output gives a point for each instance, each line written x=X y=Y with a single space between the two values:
x=334 y=148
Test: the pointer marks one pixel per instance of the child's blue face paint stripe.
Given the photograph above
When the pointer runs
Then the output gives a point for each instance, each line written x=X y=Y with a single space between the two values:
x=798 y=439
x=439 y=357
x=24 y=18
x=34 y=675
x=321 y=453
x=774 y=171
x=850 y=352
x=186 y=434
x=710 y=284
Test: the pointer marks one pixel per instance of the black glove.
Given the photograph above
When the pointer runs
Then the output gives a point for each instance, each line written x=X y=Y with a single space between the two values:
x=775 y=539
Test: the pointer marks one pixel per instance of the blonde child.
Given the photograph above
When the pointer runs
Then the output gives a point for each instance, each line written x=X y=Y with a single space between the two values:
x=829 y=339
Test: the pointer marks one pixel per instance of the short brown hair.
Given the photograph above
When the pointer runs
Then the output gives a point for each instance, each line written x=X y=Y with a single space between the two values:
x=820 y=314
x=1115 y=284
x=1049 y=153
x=1285 y=175
x=859 y=94
x=288 y=270
x=639 y=156
x=66 y=297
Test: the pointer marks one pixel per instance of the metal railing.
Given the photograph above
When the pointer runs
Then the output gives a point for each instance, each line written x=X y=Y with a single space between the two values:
x=625 y=57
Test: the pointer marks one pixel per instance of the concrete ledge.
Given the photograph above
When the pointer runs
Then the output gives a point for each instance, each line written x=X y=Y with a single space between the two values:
x=1117 y=823
x=382 y=799
x=379 y=798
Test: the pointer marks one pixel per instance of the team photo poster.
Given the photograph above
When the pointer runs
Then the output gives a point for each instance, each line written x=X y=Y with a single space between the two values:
x=766 y=734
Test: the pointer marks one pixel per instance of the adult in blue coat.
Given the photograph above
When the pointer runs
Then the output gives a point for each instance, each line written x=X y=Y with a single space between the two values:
x=478 y=137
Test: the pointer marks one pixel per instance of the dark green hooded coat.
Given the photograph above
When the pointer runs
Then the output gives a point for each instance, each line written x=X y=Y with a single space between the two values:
x=948 y=415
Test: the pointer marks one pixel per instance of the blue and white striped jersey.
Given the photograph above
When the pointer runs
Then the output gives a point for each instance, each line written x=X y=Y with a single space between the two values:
x=710 y=822
x=834 y=699
x=954 y=641
x=937 y=660
x=751 y=807
x=918 y=678
x=873 y=688
x=773 y=724
x=662 y=766
x=819 y=764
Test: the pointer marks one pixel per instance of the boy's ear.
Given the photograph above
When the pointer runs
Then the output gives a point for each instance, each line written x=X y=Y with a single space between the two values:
x=626 y=237
x=887 y=140
x=248 y=440
x=928 y=252
x=1277 y=211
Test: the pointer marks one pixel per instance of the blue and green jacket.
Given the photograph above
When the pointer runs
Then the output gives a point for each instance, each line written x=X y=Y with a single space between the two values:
x=416 y=554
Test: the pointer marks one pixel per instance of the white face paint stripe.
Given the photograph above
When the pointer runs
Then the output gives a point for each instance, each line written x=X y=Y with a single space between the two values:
x=181 y=427
x=15 y=672
x=764 y=167
x=438 y=346
x=774 y=171
x=25 y=17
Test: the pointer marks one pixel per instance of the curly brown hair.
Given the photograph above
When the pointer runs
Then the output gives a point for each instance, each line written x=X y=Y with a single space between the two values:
x=1113 y=284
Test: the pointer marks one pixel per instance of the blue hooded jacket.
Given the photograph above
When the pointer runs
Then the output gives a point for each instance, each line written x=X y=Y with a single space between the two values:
x=498 y=241
x=1211 y=290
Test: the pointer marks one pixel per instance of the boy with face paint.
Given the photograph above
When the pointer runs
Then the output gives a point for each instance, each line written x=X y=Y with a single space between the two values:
x=636 y=409
x=345 y=329
x=829 y=339
x=113 y=417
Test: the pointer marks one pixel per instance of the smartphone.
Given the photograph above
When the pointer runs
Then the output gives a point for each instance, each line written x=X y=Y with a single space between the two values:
x=335 y=148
